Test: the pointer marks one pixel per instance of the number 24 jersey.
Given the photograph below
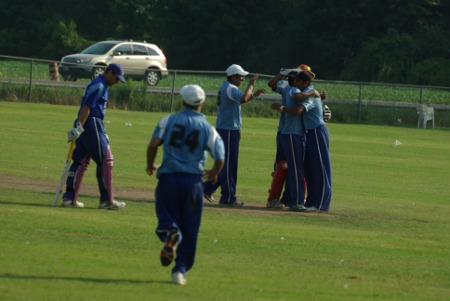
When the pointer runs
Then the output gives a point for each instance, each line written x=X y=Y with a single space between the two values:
x=187 y=137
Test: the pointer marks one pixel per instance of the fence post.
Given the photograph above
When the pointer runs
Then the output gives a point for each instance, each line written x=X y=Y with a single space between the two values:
x=173 y=91
x=359 y=101
x=421 y=94
x=31 y=81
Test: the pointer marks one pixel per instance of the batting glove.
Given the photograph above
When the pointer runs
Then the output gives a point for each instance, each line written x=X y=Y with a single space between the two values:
x=75 y=132
x=326 y=113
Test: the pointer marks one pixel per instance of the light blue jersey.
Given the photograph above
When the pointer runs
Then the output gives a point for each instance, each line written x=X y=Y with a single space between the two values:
x=282 y=85
x=293 y=123
x=229 y=107
x=186 y=136
x=313 y=117
x=96 y=97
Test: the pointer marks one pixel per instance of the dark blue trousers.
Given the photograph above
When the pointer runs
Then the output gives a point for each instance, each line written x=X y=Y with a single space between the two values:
x=228 y=175
x=179 y=205
x=93 y=143
x=318 y=168
x=293 y=146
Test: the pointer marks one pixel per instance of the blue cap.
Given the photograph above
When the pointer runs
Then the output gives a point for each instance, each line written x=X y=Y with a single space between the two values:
x=117 y=70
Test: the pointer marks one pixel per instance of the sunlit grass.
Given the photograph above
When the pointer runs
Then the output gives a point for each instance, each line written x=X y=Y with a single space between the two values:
x=386 y=237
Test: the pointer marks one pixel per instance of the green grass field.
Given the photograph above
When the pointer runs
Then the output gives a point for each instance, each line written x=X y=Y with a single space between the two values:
x=387 y=236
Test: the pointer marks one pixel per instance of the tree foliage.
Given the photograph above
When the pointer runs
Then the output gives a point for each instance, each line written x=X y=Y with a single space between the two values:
x=381 y=41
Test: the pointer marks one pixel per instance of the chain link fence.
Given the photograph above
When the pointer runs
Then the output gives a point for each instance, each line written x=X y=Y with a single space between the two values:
x=36 y=80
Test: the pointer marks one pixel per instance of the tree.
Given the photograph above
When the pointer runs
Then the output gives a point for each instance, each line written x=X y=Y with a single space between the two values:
x=433 y=71
x=64 y=39
x=385 y=59
x=381 y=40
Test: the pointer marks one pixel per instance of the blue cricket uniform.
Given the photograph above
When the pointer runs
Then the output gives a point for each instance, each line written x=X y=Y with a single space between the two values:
x=282 y=88
x=317 y=155
x=228 y=125
x=93 y=143
x=293 y=145
x=186 y=137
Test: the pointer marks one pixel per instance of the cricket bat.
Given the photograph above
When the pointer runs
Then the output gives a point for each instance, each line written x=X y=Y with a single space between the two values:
x=64 y=174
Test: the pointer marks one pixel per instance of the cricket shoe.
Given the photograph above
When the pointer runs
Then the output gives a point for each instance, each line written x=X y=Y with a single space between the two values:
x=111 y=206
x=71 y=204
x=178 y=278
x=274 y=204
x=298 y=208
x=209 y=198
x=234 y=204
x=168 y=251
x=311 y=209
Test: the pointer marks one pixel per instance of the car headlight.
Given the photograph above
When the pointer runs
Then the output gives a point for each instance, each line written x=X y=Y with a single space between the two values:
x=84 y=60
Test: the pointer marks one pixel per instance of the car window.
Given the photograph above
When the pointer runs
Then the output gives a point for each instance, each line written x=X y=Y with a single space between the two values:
x=98 y=48
x=124 y=49
x=139 y=50
x=152 y=51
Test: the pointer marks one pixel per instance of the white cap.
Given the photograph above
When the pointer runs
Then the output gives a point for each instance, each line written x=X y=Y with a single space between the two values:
x=192 y=95
x=236 y=69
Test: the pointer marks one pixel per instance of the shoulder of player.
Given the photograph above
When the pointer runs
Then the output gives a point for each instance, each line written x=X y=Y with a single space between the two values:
x=97 y=84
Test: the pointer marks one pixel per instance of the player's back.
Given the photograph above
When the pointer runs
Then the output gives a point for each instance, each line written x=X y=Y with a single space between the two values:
x=185 y=141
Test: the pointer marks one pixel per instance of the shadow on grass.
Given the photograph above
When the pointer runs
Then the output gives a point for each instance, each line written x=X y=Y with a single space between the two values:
x=50 y=205
x=82 y=279
x=249 y=207
x=25 y=204
x=84 y=196
x=42 y=205
x=263 y=209
x=119 y=196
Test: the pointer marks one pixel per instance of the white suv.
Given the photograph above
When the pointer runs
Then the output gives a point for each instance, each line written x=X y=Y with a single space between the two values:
x=139 y=61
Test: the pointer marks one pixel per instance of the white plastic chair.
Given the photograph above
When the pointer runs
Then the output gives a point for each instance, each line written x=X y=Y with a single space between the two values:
x=425 y=114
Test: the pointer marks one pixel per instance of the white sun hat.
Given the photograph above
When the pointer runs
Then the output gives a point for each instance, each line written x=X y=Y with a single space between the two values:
x=192 y=95
x=236 y=69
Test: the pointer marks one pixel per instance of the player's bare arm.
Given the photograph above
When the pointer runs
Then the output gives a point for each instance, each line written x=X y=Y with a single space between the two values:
x=273 y=82
x=304 y=95
x=298 y=110
x=84 y=114
x=152 y=150
x=212 y=174
x=248 y=93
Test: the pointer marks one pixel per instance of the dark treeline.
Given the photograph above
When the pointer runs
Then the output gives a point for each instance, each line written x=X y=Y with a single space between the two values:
x=393 y=41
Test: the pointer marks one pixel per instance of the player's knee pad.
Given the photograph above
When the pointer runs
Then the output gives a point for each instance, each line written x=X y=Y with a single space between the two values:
x=108 y=158
x=106 y=174
x=278 y=179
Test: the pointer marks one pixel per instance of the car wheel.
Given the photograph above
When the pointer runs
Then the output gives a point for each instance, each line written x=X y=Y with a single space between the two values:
x=152 y=77
x=97 y=70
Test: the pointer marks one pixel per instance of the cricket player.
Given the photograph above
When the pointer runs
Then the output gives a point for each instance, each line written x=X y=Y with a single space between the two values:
x=228 y=125
x=93 y=142
x=186 y=137
x=282 y=84
x=292 y=142
x=317 y=150
x=317 y=166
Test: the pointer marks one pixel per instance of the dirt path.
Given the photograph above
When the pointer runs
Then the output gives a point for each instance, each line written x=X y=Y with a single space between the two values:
x=131 y=194
x=86 y=190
